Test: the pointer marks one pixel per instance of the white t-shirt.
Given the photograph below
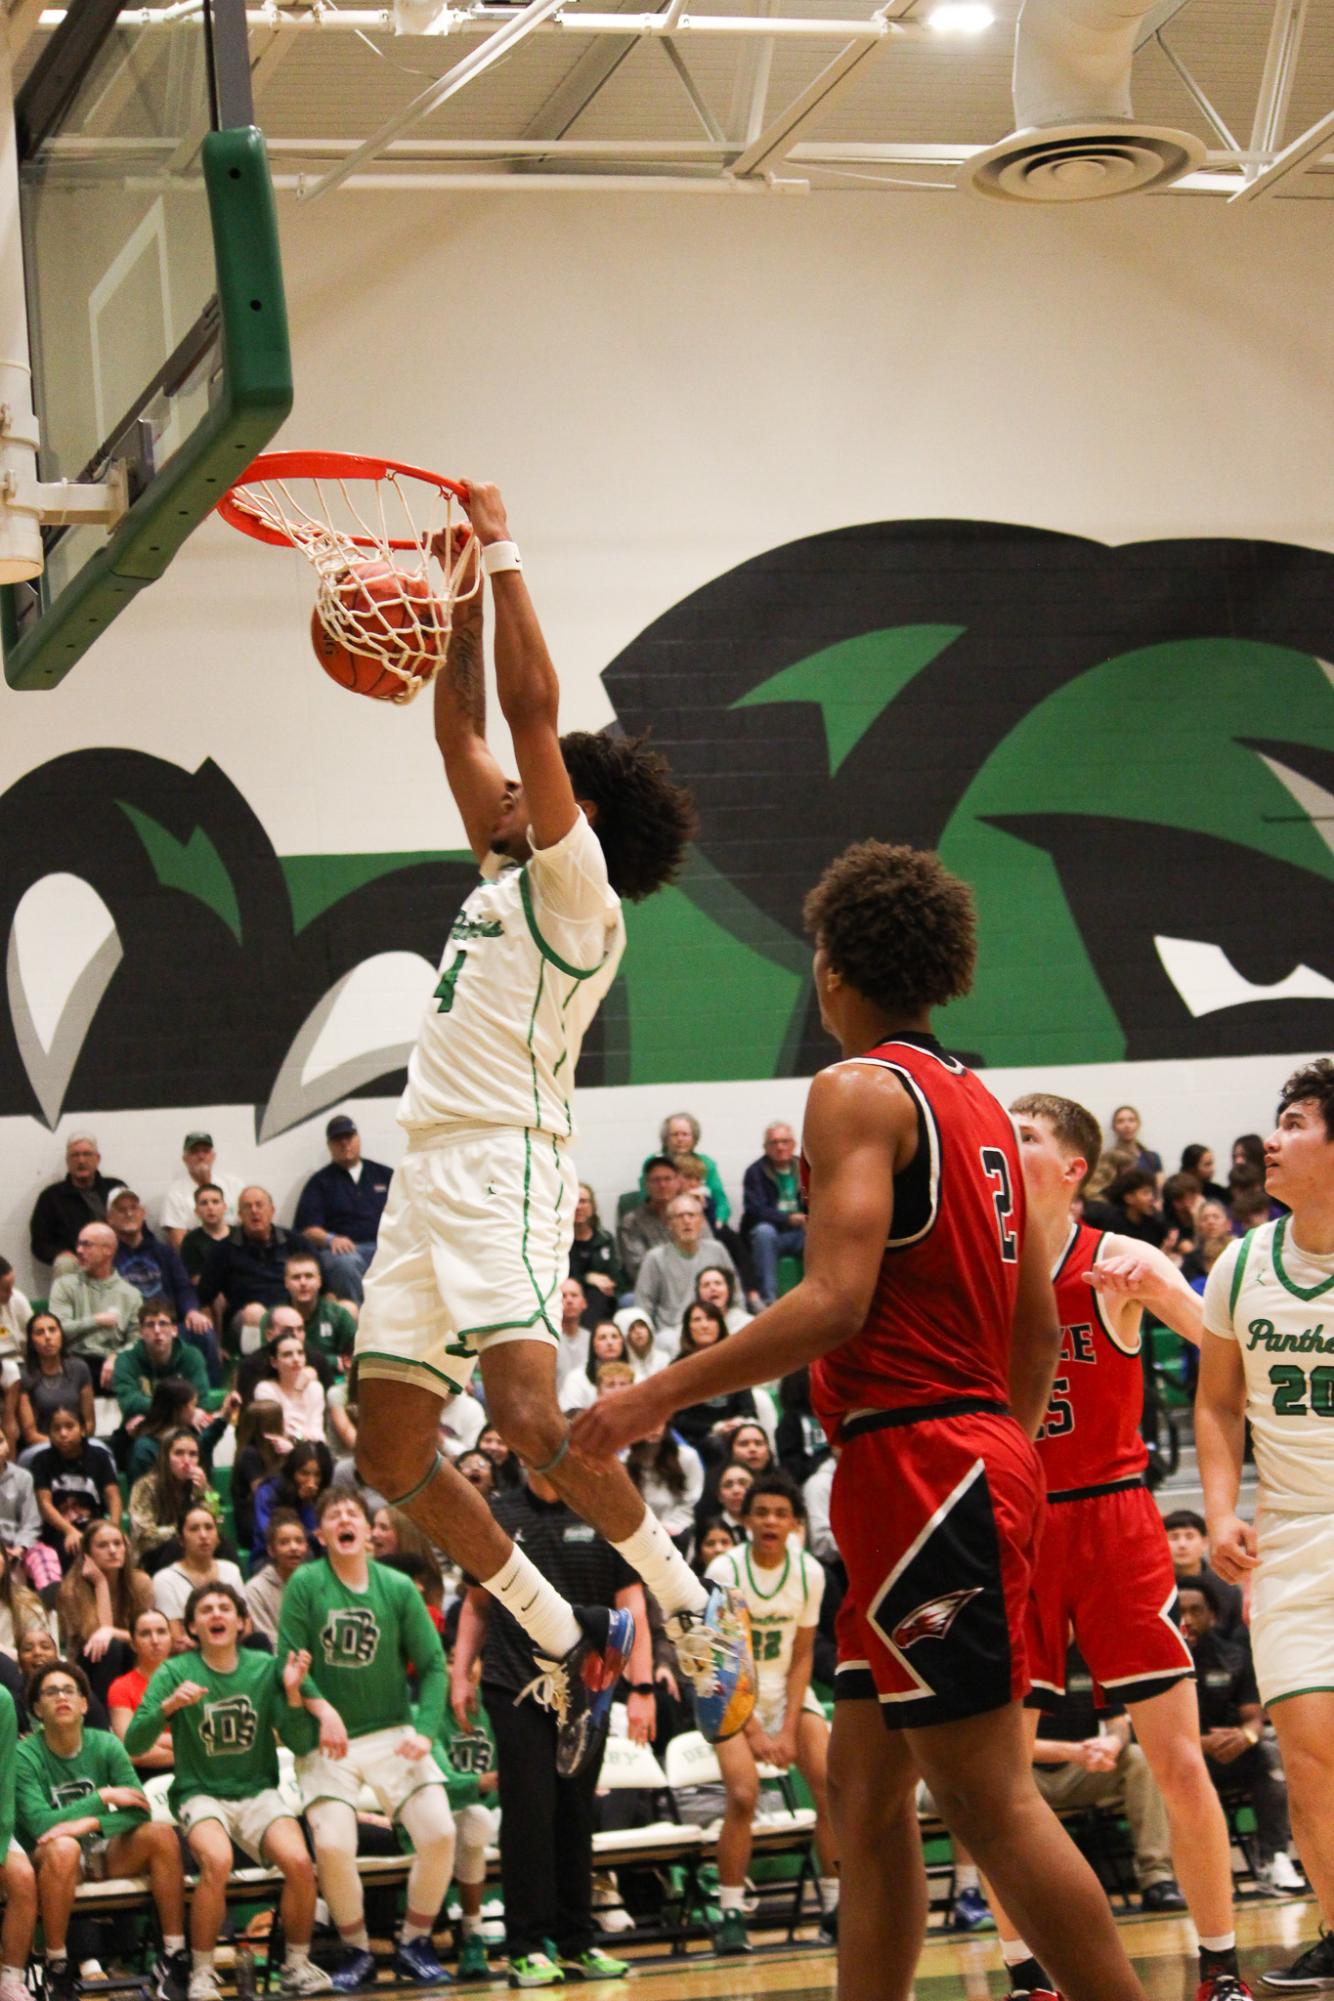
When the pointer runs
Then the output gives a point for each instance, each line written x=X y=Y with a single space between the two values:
x=14 y=1317
x=178 y=1204
x=530 y=957
x=172 y=1586
x=1278 y=1302
x=781 y=1603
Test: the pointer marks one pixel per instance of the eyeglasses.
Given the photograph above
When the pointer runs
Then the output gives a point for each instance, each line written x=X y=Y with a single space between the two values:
x=58 y=1688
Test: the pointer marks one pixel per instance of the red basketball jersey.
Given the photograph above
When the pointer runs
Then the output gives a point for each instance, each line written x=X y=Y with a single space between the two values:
x=1090 y=1435
x=940 y=1318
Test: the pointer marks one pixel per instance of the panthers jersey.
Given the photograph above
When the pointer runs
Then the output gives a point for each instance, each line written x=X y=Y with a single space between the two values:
x=224 y=1744
x=1090 y=1436
x=1278 y=1302
x=781 y=1603
x=530 y=957
x=361 y=1644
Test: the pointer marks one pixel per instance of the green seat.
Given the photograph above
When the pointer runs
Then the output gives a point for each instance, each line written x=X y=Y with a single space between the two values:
x=789 y=1274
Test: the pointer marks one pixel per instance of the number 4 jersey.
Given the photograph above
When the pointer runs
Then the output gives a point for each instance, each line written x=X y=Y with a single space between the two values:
x=1278 y=1302
x=940 y=1318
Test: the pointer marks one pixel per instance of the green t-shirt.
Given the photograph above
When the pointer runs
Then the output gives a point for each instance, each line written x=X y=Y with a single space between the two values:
x=329 y=1327
x=465 y=1756
x=49 y=1789
x=359 y=1644
x=789 y=1189
x=223 y=1745
x=9 y=1737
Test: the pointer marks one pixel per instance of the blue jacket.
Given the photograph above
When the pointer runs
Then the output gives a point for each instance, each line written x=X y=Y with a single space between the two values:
x=154 y=1266
x=331 y=1200
x=759 y=1198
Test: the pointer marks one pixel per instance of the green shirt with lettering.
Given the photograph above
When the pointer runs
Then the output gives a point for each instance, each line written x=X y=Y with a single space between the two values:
x=224 y=1744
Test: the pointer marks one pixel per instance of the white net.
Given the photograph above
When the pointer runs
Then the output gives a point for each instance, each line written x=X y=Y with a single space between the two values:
x=393 y=556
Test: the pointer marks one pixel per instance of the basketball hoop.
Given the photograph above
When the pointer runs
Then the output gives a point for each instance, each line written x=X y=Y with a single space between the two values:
x=345 y=513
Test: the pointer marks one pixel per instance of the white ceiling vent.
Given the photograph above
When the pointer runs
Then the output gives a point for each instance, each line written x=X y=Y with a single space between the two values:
x=1076 y=138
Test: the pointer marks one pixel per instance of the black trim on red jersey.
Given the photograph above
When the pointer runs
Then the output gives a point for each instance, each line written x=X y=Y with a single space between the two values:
x=1099 y=1307
x=1104 y=1487
x=917 y=1187
x=921 y=1413
x=928 y=1044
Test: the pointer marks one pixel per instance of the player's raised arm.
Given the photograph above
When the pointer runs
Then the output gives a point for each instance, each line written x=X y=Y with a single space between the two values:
x=1146 y=1277
x=525 y=682
x=459 y=693
x=858 y=1125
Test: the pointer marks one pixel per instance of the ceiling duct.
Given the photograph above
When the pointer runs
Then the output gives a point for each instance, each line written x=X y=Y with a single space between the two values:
x=1076 y=136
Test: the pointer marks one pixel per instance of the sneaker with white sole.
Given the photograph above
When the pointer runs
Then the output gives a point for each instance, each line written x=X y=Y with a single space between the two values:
x=1280 y=1877
x=535 y=1969
x=204 y=1985
x=303 y=1978
x=714 y=1652
x=578 y=1689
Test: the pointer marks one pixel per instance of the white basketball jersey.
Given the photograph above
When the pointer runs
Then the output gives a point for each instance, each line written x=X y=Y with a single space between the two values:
x=530 y=957
x=780 y=1603
x=1278 y=1302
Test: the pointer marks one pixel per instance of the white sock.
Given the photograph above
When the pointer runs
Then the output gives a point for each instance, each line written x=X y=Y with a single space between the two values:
x=651 y=1551
x=1225 y=1942
x=1014 y=1952
x=201 y=1962
x=410 y=1931
x=470 y=1926
x=172 y=1943
x=296 y=1955
x=966 y=1877
x=731 y=1896
x=829 y=1893
x=356 y=1937
x=537 y=1605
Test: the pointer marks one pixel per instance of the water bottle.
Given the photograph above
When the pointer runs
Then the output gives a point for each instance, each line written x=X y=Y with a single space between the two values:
x=245 y=1974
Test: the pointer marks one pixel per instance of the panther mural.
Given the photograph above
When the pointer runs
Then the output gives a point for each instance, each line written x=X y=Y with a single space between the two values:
x=1129 y=752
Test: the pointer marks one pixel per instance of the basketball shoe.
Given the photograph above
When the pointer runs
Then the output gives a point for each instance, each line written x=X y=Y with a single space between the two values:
x=1311 y=1969
x=579 y=1688
x=714 y=1652
x=1223 y=1987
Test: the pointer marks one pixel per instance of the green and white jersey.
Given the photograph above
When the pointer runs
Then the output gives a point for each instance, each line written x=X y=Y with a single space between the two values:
x=224 y=1745
x=1278 y=1302
x=530 y=957
x=361 y=1645
x=781 y=1602
x=49 y=1789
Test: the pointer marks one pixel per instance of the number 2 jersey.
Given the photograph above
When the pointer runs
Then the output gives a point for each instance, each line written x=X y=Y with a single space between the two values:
x=1090 y=1436
x=939 y=1324
x=224 y=1744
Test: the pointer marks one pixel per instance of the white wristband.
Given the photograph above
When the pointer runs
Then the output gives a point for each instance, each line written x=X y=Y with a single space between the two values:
x=501 y=556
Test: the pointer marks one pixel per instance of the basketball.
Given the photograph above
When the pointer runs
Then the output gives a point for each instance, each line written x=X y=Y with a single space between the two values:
x=379 y=605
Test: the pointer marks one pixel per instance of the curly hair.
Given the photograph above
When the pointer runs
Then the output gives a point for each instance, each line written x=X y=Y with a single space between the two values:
x=1314 y=1082
x=896 y=925
x=644 y=820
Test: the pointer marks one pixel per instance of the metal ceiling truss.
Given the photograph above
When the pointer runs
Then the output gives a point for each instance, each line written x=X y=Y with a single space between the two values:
x=755 y=149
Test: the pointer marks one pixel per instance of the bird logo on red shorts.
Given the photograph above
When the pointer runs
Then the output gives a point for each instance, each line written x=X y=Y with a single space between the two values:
x=932 y=1620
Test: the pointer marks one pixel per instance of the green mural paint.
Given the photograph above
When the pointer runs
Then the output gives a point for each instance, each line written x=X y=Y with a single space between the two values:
x=854 y=682
x=194 y=866
x=316 y=882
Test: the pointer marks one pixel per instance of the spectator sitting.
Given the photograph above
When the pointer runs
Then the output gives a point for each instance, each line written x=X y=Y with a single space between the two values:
x=773 y=1216
x=750 y=1447
x=1126 y=1126
x=155 y=1270
x=19 y=1604
x=159 y=1499
x=50 y=1378
x=74 y=1478
x=259 y=1366
x=1248 y=1151
x=1250 y=1205
x=174 y=1408
x=641 y=1347
x=158 y=1354
x=1213 y=1234
x=1130 y=1206
x=288 y=1547
x=98 y=1600
x=1188 y=1540
x=579 y=1387
x=704 y=1327
x=504 y=1462
x=593 y=1259
x=1086 y=1757
x=478 y=1471
x=716 y=1285
x=15 y=1313
x=150 y=1638
x=210 y=1227
x=396 y=1535
x=816 y=1490
x=644 y=1227
x=678 y=1136
x=246 y=1269
x=670 y=1476
x=260 y=1450
x=1199 y=1161
x=199 y=1563
x=21 y=1526
x=295 y=1387
x=300 y=1481
x=666 y=1282
x=62 y=1209
x=577 y=1322
x=1183 y=1199
x=37 y=1648
x=1232 y=1727
x=180 y=1214
x=340 y=1208
x=330 y=1330
x=800 y=1442
x=713 y=1538
x=98 y=1309
x=725 y=1491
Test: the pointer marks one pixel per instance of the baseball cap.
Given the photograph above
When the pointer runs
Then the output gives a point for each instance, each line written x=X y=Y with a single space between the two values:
x=340 y=1128
x=192 y=1140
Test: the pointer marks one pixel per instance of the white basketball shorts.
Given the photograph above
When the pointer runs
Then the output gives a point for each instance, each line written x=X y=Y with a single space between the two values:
x=372 y=1762
x=1292 y=1605
x=247 y=1821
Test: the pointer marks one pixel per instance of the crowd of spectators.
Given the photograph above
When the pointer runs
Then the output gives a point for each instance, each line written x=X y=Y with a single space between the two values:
x=178 y=1405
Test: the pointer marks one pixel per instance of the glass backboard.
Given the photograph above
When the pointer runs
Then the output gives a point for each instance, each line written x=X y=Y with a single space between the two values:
x=155 y=305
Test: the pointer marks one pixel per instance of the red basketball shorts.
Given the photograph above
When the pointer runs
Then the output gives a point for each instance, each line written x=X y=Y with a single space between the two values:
x=937 y=1521
x=1105 y=1573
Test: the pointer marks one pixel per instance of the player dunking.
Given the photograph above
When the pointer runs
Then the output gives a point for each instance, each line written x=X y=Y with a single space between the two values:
x=1268 y=1343
x=476 y=1233
x=925 y=1312
x=1093 y=1460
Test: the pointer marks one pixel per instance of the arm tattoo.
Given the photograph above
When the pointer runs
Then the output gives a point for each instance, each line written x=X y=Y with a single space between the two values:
x=464 y=675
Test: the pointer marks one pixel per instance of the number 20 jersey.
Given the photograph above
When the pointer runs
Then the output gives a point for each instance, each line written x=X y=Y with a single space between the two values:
x=940 y=1317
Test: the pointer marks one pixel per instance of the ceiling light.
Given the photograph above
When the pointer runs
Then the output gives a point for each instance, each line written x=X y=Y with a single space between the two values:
x=960 y=17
